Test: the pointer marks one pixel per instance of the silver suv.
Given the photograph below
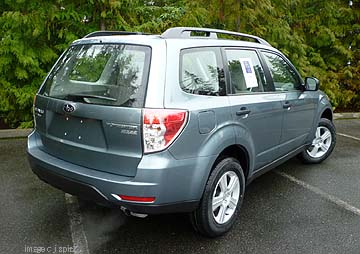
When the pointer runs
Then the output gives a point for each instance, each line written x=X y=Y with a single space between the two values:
x=178 y=122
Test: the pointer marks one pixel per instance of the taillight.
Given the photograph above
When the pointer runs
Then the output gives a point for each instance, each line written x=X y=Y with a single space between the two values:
x=161 y=127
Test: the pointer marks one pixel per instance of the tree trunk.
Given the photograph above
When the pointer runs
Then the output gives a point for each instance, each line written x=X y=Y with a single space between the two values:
x=102 y=24
x=221 y=11
x=238 y=16
x=102 y=20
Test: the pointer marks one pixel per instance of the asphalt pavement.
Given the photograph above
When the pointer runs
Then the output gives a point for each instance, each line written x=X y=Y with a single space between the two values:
x=295 y=208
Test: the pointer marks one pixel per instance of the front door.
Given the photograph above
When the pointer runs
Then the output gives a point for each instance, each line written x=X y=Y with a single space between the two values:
x=299 y=106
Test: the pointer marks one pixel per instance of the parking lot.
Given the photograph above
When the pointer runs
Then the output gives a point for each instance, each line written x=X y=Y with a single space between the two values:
x=295 y=208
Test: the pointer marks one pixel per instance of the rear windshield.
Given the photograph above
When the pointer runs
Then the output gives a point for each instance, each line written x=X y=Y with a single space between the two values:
x=106 y=74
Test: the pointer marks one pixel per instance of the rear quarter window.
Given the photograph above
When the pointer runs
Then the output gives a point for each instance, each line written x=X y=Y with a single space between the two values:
x=201 y=72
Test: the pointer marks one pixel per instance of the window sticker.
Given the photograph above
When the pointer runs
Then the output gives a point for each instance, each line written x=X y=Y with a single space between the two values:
x=249 y=73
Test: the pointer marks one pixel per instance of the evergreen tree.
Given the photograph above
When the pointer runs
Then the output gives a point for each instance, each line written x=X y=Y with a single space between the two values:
x=320 y=37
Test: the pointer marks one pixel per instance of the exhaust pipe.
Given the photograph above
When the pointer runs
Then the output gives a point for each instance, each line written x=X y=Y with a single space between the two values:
x=127 y=212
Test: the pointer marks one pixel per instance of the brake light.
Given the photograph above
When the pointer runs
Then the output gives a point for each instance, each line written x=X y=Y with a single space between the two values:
x=161 y=127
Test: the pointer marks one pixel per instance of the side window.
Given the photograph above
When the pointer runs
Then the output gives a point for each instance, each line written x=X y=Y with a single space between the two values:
x=283 y=75
x=201 y=72
x=246 y=72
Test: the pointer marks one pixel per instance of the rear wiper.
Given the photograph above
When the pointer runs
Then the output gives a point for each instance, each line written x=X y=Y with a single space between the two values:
x=77 y=97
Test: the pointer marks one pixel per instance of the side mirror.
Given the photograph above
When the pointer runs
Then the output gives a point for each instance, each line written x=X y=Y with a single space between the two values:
x=311 y=84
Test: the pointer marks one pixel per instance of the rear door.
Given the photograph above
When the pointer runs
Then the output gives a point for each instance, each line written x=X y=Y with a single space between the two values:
x=89 y=110
x=299 y=107
x=253 y=105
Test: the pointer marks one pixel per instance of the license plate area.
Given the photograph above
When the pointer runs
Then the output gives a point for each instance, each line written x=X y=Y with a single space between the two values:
x=79 y=130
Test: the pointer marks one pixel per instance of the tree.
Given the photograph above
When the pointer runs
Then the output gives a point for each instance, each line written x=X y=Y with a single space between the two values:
x=35 y=33
x=320 y=37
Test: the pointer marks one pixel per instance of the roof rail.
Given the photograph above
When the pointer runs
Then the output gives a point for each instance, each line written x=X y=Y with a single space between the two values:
x=110 y=33
x=185 y=32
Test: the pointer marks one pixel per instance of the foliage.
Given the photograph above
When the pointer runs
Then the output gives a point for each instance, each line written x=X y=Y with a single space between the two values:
x=315 y=35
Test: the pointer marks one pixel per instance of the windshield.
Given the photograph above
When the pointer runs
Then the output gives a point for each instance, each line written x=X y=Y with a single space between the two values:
x=107 y=74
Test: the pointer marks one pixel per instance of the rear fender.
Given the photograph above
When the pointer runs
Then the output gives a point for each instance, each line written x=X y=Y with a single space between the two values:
x=218 y=141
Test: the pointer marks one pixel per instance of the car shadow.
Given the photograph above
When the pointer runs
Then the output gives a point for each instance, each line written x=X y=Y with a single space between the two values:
x=109 y=230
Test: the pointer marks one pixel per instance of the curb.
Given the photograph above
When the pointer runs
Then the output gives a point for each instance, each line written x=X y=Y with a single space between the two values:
x=14 y=133
x=23 y=133
x=346 y=116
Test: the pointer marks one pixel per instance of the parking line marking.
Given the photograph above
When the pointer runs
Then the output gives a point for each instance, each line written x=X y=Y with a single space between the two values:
x=348 y=136
x=76 y=227
x=321 y=193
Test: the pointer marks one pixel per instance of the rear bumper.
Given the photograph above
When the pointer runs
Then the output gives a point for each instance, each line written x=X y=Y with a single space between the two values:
x=177 y=185
x=89 y=192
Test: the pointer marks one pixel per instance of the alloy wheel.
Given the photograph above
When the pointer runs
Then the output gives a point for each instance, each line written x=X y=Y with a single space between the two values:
x=225 y=197
x=321 y=143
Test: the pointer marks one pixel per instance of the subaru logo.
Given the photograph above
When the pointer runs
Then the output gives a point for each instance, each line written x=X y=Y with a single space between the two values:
x=68 y=108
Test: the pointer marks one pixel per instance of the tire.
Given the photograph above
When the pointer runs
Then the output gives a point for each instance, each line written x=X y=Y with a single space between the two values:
x=322 y=145
x=226 y=184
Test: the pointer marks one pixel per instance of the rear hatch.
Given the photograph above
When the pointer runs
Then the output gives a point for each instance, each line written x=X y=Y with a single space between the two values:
x=88 y=111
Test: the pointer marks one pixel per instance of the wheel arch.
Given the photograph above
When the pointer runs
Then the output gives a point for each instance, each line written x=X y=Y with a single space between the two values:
x=323 y=112
x=327 y=113
x=238 y=152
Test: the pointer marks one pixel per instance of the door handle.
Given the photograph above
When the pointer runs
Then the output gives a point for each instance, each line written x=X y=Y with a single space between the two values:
x=243 y=111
